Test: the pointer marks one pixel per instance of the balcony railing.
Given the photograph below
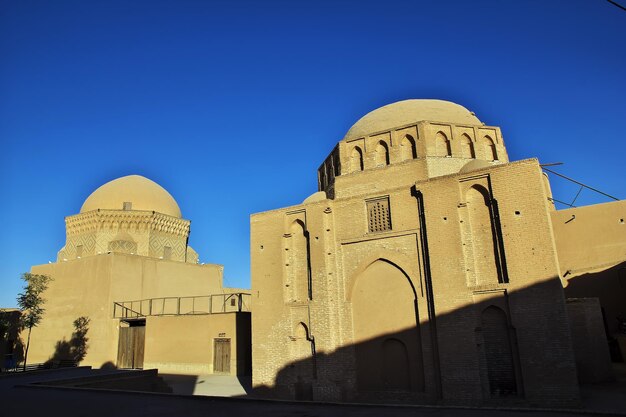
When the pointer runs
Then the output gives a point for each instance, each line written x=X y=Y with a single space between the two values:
x=176 y=306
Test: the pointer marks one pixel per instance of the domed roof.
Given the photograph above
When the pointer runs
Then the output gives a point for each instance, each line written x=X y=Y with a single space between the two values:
x=411 y=111
x=474 y=165
x=142 y=193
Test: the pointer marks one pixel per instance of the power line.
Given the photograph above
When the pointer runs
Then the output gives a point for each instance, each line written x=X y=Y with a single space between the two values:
x=617 y=5
x=580 y=183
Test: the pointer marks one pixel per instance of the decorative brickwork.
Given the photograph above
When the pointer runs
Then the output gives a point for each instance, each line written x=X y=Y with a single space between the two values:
x=439 y=292
x=145 y=233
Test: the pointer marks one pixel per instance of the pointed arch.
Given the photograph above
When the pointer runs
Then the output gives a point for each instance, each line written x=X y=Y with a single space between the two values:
x=302 y=331
x=490 y=148
x=402 y=262
x=356 y=159
x=386 y=329
x=467 y=147
x=382 y=154
x=481 y=231
x=303 y=361
x=442 y=145
x=297 y=284
x=407 y=148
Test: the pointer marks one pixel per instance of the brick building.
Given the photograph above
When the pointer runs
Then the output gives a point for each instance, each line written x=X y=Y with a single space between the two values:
x=424 y=270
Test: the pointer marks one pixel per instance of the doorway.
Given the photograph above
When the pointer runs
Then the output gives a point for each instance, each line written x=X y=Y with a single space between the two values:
x=130 y=348
x=221 y=356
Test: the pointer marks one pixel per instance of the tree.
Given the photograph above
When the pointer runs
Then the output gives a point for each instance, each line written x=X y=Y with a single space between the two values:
x=31 y=303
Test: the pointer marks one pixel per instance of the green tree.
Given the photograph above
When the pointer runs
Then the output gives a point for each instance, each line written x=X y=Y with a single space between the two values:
x=31 y=303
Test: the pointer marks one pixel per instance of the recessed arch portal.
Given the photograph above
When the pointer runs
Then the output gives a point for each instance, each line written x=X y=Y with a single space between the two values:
x=385 y=328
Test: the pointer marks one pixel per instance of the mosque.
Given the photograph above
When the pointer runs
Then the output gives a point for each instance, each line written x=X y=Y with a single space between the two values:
x=427 y=268
x=127 y=267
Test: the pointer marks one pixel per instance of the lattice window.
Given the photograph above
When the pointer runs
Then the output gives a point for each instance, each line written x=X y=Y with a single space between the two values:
x=378 y=215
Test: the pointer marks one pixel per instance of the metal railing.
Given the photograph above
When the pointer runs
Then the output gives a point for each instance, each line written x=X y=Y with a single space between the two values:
x=176 y=306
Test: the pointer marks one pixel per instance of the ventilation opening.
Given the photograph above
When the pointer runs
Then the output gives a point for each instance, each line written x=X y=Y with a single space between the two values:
x=379 y=217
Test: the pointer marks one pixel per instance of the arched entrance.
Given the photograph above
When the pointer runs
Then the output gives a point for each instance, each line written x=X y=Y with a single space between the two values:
x=386 y=333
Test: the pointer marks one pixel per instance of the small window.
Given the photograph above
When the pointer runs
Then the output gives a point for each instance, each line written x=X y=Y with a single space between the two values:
x=233 y=302
x=167 y=252
x=127 y=205
x=79 y=251
x=379 y=217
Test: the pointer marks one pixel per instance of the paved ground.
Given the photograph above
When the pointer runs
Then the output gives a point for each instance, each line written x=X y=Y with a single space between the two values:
x=209 y=385
x=17 y=399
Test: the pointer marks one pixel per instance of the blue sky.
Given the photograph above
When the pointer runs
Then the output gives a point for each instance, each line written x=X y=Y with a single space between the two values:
x=232 y=105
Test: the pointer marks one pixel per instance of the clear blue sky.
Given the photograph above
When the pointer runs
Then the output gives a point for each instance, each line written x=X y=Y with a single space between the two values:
x=232 y=105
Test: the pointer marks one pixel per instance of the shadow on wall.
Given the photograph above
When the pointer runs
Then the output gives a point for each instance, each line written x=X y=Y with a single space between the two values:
x=609 y=286
x=108 y=366
x=11 y=345
x=491 y=352
x=75 y=349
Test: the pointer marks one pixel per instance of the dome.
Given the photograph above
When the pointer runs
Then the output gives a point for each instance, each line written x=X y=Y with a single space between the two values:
x=410 y=111
x=474 y=166
x=315 y=197
x=142 y=193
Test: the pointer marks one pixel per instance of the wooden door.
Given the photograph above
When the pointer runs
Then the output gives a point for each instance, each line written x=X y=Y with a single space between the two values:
x=221 y=356
x=131 y=347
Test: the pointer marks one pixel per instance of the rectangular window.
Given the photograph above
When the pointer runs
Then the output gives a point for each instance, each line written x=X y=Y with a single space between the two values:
x=79 y=251
x=127 y=205
x=167 y=252
x=378 y=215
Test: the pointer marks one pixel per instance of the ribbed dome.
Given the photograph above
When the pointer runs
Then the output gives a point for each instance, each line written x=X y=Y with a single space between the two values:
x=142 y=193
x=410 y=111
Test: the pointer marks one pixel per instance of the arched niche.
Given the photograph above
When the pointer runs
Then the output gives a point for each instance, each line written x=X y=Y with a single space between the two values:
x=490 y=148
x=385 y=324
x=442 y=145
x=297 y=263
x=356 y=159
x=302 y=368
x=382 y=154
x=407 y=148
x=467 y=147
x=481 y=236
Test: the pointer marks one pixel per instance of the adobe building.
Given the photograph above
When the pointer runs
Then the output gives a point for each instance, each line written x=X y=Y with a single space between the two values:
x=127 y=267
x=426 y=269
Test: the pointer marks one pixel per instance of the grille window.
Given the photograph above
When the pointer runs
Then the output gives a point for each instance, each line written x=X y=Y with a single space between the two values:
x=378 y=215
